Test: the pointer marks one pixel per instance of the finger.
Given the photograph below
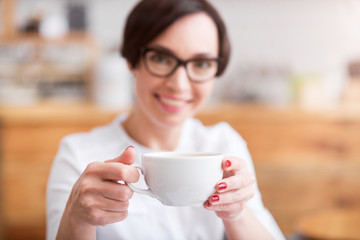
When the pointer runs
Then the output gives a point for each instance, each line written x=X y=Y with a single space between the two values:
x=112 y=171
x=235 y=182
x=91 y=203
x=120 y=172
x=116 y=191
x=99 y=217
x=127 y=157
x=113 y=217
x=98 y=197
x=240 y=195
x=227 y=210
x=233 y=164
x=111 y=205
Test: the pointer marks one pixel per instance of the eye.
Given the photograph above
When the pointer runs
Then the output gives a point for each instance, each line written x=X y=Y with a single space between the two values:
x=161 y=58
x=202 y=64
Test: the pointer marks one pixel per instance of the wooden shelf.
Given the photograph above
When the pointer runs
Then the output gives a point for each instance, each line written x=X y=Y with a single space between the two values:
x=71 y=37
x=49 y=57
x=54 y=58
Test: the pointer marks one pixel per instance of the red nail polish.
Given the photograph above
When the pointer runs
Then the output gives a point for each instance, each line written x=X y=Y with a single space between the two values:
x=222 y=186
x=215 y=198
x=228 y=163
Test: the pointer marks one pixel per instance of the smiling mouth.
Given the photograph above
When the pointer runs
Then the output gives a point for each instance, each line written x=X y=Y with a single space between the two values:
x=171 y=102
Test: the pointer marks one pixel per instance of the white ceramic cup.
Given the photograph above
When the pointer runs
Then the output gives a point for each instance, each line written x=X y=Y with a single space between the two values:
x=180 y=179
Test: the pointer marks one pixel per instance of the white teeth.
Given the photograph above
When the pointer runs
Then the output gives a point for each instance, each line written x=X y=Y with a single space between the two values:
x=172 y=102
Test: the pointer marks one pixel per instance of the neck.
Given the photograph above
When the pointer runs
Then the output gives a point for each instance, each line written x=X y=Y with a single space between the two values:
x=150 y=134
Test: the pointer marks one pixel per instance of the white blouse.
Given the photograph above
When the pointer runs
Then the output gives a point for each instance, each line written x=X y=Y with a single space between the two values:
x=148 y=218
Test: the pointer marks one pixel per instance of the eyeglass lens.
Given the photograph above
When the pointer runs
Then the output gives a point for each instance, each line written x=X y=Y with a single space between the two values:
x=163 y=64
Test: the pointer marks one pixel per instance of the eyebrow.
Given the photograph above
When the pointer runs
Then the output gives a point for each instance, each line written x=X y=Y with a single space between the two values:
x=171 y=53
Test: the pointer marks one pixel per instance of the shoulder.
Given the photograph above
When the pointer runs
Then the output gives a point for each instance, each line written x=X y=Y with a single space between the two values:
x=94 y=143
x=91 y=138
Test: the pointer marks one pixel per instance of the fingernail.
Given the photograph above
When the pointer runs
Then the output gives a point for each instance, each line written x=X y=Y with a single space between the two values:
x=215 y=198
x=228 y=163
x=222 y=186
x=130 y=147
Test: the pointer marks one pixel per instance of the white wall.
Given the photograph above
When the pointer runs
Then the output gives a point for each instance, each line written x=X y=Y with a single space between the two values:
x=308 y=36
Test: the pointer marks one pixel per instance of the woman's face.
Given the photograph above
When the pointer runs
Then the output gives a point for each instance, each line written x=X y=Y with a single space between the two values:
x=168 y=101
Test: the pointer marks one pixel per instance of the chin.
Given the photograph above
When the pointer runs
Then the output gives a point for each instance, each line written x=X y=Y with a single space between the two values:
x=171 y=122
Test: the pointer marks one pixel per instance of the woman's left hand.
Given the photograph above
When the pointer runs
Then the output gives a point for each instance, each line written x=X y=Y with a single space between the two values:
x=233 y=191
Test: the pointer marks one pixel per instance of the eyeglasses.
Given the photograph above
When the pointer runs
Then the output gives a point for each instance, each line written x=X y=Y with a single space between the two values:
x=163 y=64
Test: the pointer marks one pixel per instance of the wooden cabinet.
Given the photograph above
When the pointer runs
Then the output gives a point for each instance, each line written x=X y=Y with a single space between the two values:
x=29 y=141
x=304 y=161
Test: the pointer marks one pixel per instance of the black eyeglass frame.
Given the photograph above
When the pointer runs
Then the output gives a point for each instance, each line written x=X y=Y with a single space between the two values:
x=179 y=62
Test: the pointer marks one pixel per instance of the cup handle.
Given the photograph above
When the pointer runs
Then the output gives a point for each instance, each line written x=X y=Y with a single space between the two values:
x=139 y=190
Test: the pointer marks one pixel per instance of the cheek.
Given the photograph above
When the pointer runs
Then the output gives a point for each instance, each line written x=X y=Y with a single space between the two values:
x=142 y=82
x=204 y=91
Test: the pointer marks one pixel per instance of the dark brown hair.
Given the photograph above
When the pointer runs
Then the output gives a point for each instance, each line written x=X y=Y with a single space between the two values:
x=150 y=18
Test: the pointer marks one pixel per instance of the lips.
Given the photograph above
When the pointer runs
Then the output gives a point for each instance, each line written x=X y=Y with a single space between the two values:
x=174 y=103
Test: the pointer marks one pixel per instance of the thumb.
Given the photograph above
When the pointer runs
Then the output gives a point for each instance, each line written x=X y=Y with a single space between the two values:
x=127 y=157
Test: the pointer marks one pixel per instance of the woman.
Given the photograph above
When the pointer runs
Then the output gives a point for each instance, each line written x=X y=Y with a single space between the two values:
x=175 y=49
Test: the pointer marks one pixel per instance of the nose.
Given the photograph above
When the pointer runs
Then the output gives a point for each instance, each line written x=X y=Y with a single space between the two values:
x=179 y=80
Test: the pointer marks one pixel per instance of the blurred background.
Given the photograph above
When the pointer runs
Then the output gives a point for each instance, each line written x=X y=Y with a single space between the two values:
x=292 y=90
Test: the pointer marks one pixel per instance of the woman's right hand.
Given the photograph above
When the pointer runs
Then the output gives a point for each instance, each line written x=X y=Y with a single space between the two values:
x=97 y=198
